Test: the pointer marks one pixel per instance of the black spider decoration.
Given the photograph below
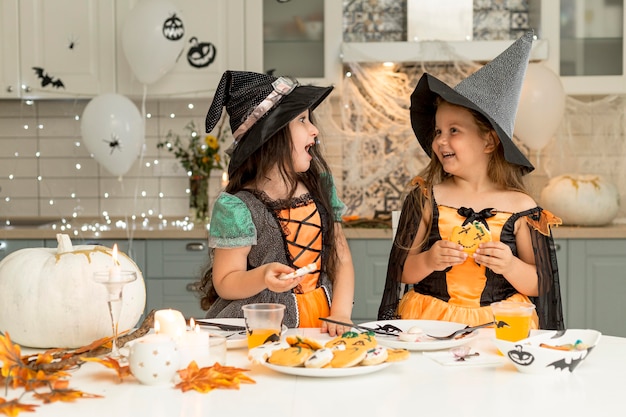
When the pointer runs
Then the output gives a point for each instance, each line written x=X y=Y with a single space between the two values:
x=114 y=143
x=72 y=42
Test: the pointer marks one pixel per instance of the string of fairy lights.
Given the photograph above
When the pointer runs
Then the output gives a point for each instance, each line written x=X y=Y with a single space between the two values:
x=74 y=221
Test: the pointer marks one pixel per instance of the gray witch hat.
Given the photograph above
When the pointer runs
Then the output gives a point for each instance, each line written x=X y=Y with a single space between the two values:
x=494 y=91
x=259 y=105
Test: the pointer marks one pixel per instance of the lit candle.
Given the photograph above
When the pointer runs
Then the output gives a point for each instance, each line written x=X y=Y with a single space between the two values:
x=224 y=179
x=170 y=322
x=114 y=272
x=194 y=346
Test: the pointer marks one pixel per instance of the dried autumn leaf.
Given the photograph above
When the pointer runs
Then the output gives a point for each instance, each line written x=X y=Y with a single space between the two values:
x=10 y=355
x=14 y=407
x=65 y=395
x=206 y=379
x=111 y=363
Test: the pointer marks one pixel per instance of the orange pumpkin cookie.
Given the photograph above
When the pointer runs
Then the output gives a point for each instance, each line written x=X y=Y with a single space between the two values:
x=397 y=355
x=366 y=340
x=291 y=356
x=303 y=342
x=350 y=356
x=470 y=236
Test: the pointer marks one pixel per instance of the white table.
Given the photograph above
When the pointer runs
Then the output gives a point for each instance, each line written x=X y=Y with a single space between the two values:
x=417 y=387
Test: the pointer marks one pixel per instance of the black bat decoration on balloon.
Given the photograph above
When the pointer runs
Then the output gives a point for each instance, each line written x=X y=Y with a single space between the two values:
x=501 y=324
x=47 y=79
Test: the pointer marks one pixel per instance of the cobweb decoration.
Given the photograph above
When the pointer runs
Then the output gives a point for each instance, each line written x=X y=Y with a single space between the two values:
x=380 y=152
x=590 y=140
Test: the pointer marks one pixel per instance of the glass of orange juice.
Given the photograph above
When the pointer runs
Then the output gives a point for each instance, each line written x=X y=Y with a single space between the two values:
x=264 y=323
x=512 y=320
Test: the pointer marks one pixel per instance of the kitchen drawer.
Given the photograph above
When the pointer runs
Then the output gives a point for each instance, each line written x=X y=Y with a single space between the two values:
x=177 y=294
x=176 y=258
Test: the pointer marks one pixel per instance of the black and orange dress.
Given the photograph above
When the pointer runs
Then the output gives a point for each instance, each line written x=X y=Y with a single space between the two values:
x=286 y=231
x=463 y=293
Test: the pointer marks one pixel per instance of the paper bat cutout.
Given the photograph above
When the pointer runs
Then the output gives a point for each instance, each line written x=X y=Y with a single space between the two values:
x=562 y=364
x=501 y=324
x=46 y=79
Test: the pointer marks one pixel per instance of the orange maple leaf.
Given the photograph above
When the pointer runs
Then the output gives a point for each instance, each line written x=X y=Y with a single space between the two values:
x=111 y=363
x=14 y=407
x=206 y=379
x=65 y=395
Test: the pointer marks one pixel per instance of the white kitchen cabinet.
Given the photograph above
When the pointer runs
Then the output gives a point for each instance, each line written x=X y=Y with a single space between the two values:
x=72 y=44
x=299 y=38
x=587 y=47
x=213 y=35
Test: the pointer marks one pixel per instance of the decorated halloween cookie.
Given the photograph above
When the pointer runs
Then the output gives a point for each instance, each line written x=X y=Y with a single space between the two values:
x=470 y=236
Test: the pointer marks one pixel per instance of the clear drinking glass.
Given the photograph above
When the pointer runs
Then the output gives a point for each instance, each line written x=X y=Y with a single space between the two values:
x=114 y=282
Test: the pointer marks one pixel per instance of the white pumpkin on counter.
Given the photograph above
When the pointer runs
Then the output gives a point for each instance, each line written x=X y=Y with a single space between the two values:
x=581 y=199
x=48 y=297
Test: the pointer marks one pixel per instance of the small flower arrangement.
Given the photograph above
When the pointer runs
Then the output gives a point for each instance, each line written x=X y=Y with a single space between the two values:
x=198 y=155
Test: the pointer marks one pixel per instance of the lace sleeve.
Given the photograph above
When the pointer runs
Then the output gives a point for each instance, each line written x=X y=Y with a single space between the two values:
x=231 y=223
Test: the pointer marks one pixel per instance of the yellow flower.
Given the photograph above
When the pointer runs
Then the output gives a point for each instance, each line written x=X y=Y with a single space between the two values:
x=211 y=141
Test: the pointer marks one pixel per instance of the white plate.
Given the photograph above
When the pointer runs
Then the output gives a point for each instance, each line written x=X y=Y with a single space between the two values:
x=326 y=372
x=236 y=341
x=434 y=327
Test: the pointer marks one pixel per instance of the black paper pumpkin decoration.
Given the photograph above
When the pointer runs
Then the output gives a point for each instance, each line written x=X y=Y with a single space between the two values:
x=200 y=54
x=521 y=357
x=173 y=28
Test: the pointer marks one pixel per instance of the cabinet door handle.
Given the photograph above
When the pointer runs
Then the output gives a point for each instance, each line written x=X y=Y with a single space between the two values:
x=195 y=247
x=193 y=286
x=557 y=247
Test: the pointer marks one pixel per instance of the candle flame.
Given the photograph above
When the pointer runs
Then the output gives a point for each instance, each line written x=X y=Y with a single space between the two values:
x=157 y=326
x=115 y=254
x=192 y=323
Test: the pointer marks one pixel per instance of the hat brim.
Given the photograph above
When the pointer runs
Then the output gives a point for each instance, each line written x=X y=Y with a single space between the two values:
x=300 y=99
x=423 y=118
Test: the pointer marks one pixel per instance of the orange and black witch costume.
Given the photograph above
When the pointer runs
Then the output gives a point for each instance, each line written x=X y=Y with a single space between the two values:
x=464 y=292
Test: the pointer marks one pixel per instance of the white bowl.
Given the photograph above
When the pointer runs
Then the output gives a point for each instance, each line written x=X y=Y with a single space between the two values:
x=532 y=356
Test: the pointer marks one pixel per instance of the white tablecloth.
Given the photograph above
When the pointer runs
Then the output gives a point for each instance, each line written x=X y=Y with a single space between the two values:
x=419 y=386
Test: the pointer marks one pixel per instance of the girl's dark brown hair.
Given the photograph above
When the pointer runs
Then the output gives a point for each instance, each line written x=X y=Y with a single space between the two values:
x=318 y=180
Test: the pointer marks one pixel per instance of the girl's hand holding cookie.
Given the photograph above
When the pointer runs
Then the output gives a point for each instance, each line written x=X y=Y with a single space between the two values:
x=496 y=256
x=444 y=254
x=273 y=277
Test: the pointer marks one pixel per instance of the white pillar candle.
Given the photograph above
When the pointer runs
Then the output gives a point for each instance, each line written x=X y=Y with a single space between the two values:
x=170 y=322
x=194 y=346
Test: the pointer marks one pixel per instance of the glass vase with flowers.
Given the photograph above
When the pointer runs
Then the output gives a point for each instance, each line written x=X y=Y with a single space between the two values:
x=199 y=155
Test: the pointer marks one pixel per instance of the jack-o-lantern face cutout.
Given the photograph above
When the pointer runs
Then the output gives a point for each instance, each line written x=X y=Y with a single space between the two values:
x=520 y=356
x=200 y=54
x=173 y=28
x=470 y=236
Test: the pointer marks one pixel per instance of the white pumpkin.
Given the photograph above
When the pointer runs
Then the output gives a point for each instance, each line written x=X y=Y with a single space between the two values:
x=48 y=297
x=581 y=200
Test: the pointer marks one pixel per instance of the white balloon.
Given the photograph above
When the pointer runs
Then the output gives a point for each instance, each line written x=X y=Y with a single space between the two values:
x=113 y=131
x=541 y=107
x=152 y=39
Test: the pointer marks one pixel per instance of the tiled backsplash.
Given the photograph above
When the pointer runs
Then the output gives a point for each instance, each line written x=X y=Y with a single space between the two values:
x=45 y=170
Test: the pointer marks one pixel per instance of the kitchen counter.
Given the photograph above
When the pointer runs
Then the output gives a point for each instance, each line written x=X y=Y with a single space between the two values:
x=177 y=229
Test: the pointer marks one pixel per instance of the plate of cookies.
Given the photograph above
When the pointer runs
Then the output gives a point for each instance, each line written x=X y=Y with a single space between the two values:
x=413 y=334
x=346 y=355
